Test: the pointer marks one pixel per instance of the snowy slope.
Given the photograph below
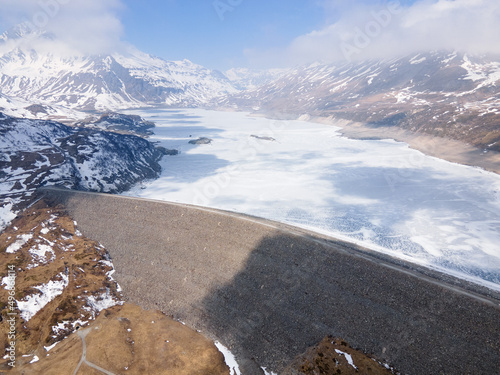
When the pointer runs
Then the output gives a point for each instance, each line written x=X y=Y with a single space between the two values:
x=104 y=82
x=250 y=79
x=16 y=107
x=443 y=94
x=35 y=153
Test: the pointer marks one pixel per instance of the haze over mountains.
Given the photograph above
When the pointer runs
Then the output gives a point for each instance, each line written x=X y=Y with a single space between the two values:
x=444 y=94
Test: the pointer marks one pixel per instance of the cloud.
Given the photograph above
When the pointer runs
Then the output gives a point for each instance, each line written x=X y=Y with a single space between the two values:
x=390 y=29
x=88 y=26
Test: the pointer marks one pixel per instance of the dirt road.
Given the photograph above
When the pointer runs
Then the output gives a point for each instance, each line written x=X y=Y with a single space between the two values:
x=268 y=291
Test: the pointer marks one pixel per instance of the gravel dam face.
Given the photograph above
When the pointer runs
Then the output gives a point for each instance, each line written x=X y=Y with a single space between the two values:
x=268 y=291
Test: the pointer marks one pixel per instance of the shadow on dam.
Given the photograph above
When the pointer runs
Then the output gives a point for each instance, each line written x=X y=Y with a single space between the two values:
x=269 y=291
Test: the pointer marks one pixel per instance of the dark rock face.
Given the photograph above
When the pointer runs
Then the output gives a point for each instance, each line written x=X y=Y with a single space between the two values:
x=35 y=153
x=120 y=123
x=36 y=109
x=201 y=141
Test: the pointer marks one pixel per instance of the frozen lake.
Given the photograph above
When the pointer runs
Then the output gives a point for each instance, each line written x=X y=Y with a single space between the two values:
x=380 y=194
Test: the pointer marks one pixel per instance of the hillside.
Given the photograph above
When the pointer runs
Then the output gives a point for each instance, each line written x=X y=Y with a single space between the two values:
x=65 y=294
x=38 y=152
x=449 y=95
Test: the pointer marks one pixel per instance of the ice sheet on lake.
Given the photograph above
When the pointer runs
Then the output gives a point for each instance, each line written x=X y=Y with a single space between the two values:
x=381 y=194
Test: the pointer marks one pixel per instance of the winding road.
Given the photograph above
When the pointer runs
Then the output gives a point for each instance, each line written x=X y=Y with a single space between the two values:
x=83 y=334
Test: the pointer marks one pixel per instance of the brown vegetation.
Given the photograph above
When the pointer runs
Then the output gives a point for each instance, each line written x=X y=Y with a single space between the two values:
x=331 y=357
x=120 y=338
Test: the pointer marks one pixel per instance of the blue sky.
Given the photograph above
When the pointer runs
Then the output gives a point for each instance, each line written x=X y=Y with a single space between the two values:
x=264 y=33
x=277 y=33
x=195 y=30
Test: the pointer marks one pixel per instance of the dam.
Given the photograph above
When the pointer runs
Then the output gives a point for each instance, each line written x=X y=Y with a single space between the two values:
x=268 y=291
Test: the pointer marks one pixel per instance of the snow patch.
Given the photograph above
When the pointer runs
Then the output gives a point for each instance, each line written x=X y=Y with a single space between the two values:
x=39 y=253
x=50 y=347
x=415 y=60
x=348 y=357
x=62 y=326
x=102 y=302
x=109 y=274
x=35 y=302
x=268 y=372
x=7 y=214
x=21 y=241
x=229 y=358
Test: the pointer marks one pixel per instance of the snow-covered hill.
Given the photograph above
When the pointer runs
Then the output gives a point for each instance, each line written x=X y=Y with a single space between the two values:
x=16 y=107
x=35 y=153
x=250 y=79
x=32 y=71
x=442 y=94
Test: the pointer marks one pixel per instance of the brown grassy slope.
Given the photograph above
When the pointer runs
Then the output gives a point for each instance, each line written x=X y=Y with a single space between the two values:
x=128 y=340
x=86 y=266
x=73 y=256
x=328 y=358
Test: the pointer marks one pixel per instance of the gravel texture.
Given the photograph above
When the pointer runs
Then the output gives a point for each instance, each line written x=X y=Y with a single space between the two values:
x=269 y=291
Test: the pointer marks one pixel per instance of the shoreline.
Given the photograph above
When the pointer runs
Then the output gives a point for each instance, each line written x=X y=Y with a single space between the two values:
x=442 y=148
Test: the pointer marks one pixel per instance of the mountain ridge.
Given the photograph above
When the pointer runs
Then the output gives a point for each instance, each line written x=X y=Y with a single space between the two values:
x=119 y=80
x=36 y=153
x=442 y=94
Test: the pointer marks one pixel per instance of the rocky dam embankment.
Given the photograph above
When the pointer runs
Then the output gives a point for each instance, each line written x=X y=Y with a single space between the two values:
x=269 y=291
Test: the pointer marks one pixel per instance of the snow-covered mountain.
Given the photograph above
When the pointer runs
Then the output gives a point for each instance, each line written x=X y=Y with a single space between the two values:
x=31 y=71
x=16 y=107
x=442 y=94
x=249 y=79
x=119 y=123
x=35 y=153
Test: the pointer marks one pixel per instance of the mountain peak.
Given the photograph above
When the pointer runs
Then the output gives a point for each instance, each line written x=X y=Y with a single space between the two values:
x=24 y=30
x=38 y=68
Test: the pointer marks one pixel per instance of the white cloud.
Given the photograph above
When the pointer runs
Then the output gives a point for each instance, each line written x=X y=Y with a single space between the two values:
x=389 y=29
x=90 y=26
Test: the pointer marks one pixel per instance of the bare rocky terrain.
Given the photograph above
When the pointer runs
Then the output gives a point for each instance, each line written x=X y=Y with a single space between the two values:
x=88 y=329
x=118 y=123
x=334 y=356
x=268 y=291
